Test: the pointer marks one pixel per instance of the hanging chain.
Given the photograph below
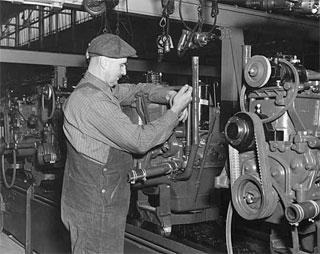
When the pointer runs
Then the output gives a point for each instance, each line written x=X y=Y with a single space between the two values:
x=164 y=41
x=118 y=23
x=106 y=28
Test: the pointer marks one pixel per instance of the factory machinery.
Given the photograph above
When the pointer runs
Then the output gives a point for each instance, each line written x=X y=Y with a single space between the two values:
x=172 y=184
x=272 y=171
x=32 y=162
x=274 y=153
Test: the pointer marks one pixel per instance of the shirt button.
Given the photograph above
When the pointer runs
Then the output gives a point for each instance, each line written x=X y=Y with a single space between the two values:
x=104 y=170
x=103 y=190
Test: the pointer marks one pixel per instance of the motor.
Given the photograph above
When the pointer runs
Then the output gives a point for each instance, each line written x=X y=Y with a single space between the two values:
x=172 y=183
x=274 y=150
x=31 y=140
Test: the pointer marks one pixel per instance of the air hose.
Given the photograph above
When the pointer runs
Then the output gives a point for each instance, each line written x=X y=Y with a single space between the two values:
x=14 y=170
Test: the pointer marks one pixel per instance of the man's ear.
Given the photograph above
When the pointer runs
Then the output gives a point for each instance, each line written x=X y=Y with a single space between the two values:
x=104 y=62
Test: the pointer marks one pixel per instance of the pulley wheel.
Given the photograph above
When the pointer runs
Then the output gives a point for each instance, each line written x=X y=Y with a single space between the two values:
x=257 y=71
x=247 y=197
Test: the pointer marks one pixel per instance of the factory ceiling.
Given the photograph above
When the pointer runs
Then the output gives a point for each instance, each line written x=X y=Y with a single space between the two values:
x=138 y=22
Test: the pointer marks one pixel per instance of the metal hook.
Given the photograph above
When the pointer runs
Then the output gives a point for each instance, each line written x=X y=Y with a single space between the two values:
x=163 y=22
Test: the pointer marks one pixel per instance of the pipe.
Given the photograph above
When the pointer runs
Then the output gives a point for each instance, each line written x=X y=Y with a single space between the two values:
x=142 y=174
x=313 y=75
x=153 y=182
x=186 y=174
x=195 y=99
x=246 y=54
x=296 y=213
x=189 y=137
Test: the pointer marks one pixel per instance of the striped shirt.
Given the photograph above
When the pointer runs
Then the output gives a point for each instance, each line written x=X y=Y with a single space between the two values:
x=94 y=121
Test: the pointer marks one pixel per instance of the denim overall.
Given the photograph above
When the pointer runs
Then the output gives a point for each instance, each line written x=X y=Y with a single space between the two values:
x=95 y=201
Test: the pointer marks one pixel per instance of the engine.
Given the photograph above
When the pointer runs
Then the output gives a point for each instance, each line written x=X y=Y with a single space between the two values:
x=274 y=156
x=31 y=136
x=173 y=184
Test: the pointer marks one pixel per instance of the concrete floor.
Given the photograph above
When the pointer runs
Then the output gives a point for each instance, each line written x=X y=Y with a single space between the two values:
x=8 y=245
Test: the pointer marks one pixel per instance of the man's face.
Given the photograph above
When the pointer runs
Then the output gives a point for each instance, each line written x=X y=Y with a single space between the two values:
x=116 y=68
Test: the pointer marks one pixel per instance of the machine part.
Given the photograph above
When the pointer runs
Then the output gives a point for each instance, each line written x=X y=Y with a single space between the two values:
x=239 y=131
x=2 y=210
x=48 y=93
x=234 y=164
x=186 y=174
x=295 y=213
x=257 y=71
x=307 y=7
x=204 y=94
x=46 y=154
x=97 y=7
x=141 y=174
x=195 y=99
x=304 y=7
x=192 y=38
x=14 y=170
x=205 y=154
x=254 y=198
x=249 y=201
x=277 y=176
x=154 y=77
x=292 y=91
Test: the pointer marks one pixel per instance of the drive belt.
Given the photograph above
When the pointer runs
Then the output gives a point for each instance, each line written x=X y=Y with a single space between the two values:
x=252 y=194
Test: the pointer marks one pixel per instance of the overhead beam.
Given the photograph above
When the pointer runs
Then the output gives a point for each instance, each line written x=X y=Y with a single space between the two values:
x=72 y=60
x=229 y=16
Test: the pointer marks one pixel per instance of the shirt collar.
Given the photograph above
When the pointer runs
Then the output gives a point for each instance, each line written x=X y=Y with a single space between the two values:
x=97 y=82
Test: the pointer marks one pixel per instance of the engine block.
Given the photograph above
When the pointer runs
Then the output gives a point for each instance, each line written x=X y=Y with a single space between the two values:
x=274 y=148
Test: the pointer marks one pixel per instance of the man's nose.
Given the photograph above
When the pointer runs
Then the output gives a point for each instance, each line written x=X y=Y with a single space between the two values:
x=123 y=71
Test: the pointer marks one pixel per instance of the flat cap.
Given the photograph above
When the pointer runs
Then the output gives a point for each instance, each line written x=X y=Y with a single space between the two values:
x=110 y=45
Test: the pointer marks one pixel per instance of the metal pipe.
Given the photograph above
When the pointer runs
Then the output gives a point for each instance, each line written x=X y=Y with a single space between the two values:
x=246 y=54
x=195 y=99
x=17 y=31
x=313 y=75
x=142 y=174
x=295 y=213
x=153 y=182
x=41 y=27
x=189 y=137
x=186 y=174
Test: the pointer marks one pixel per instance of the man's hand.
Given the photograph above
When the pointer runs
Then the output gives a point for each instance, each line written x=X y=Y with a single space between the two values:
x=180 y=101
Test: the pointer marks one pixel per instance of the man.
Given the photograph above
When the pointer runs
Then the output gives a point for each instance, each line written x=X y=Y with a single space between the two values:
x=101 y=139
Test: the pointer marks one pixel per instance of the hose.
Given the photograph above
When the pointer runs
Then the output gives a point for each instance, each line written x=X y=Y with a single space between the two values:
x=14 y=170
x=186 y=174
x=228 y=229
x=1 y=213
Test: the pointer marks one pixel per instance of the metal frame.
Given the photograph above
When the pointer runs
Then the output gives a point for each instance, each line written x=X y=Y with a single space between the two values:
x=231 y=71
x=73 y=60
